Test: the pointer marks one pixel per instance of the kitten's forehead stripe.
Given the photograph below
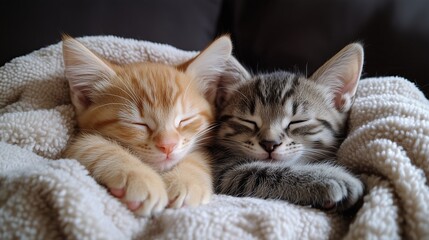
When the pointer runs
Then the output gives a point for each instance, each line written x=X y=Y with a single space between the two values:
x=156 y=86
x=293 y=83
x=258 y=87
x=294 y=107
x=274 y=89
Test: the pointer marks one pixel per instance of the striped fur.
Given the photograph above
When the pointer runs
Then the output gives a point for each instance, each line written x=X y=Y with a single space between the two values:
x=278 y=134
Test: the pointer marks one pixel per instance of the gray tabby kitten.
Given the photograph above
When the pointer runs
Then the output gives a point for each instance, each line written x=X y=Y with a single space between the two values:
x=278 y=135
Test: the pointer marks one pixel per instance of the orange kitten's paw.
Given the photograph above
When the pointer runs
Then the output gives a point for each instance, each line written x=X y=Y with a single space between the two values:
x=183 y=192
x=117 y=192
x=143 y=194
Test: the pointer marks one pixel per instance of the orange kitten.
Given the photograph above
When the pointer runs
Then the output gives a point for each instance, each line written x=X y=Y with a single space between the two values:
x=141 y=125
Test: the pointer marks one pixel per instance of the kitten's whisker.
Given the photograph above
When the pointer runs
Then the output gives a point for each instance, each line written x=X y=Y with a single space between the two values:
x=207 y=130
x=317 y=154
x=114 y=95
x=205 y=134
x=130 y=93
x=203 y=137
x=322 y=151
x=319 y=151
x=108 y=104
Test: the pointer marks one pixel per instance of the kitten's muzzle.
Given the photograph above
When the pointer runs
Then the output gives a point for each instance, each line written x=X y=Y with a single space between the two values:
x=269 y=146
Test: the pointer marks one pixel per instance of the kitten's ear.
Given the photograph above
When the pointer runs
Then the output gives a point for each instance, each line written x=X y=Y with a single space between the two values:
x=208 y=66
x=215 y=68
x=82 y=69
x=234 y=74
x=342 y=73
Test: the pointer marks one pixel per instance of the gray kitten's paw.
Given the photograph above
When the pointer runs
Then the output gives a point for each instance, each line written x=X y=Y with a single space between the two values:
x=341 y=192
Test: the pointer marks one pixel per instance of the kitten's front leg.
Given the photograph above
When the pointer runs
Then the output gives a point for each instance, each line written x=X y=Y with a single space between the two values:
x=190 y=182
x=136 y=184
x=319 y=185
x=327 y=186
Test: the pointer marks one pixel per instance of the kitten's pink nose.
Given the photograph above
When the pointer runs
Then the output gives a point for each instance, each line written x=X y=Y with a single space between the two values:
x=167 y=141
x=167 y=148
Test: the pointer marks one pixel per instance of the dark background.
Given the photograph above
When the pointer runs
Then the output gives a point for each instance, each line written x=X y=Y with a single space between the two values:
x=267 y=35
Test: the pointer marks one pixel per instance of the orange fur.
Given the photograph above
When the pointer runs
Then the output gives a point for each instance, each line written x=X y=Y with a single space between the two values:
x=141 y=126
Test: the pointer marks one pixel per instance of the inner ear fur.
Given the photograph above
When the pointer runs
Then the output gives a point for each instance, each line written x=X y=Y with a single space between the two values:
x=341 y=74
x=216 y=70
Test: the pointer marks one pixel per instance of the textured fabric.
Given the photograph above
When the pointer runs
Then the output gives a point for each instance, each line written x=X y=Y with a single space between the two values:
x=388 y=145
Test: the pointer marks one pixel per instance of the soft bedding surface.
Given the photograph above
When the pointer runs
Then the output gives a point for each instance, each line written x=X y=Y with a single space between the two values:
x=44 y=196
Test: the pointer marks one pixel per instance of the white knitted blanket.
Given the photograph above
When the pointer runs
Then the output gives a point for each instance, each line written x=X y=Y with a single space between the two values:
x=42 y=198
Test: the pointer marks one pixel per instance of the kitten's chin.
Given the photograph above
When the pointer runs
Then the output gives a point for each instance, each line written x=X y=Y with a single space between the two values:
x=277 y=157
x=286 y=158
x=266 y=157
x=165 y=165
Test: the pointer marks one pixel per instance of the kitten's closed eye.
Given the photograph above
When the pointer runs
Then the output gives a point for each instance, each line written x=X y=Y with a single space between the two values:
x=299 y=121
x=142 y=126
x=187 y=120
x=248 y=123
x=305 y=127
x=297 y=124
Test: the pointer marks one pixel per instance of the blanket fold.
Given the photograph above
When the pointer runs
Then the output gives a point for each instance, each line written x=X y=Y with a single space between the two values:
x=45 y=196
